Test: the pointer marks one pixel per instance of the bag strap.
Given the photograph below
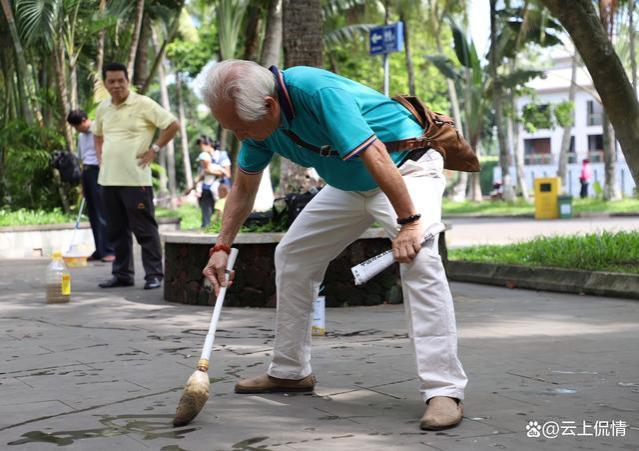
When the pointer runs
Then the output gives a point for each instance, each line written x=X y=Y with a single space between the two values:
x=409 y=106
x=401 y=145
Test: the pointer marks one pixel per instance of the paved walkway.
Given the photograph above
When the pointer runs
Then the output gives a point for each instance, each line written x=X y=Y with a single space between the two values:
x=105 y=373
x=474 y=231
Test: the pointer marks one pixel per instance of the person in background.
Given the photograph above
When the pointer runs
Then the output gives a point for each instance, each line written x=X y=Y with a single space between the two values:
x=584 y=177
x=91 y=190
x=215 y=167
x=124 y=129
x=222 y=192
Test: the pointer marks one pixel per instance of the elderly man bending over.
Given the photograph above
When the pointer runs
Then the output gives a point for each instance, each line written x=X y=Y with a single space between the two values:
x=339 y=127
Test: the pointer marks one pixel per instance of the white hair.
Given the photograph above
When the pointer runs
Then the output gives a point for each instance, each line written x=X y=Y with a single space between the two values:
x=244 y=83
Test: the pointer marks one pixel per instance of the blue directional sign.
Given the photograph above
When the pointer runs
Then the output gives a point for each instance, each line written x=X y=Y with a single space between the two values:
x=387 y=38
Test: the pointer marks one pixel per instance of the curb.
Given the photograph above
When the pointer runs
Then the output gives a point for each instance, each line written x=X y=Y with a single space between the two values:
x=597 y=283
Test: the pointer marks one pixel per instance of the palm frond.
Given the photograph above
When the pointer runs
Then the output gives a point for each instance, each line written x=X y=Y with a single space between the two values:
x=347 y=34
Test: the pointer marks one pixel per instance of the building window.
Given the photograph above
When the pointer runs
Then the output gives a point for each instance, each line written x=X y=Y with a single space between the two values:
x=537 y=151
x=595 y=148
x=595 y=111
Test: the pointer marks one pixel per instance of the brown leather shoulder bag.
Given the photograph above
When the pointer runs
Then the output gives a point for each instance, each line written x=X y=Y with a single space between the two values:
x=441 y=135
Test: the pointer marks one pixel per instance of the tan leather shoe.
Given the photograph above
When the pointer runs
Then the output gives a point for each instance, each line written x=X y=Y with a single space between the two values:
x=269 y=384
x=442 y=412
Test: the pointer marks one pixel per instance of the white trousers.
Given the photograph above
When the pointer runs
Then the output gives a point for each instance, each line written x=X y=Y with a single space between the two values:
x=329 y=223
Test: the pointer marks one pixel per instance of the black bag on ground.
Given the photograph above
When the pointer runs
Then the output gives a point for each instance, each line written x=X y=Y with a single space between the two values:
x=67 y=165
x=295 y=203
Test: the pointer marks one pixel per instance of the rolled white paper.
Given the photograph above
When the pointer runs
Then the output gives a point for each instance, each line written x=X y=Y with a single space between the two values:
x=368 y=269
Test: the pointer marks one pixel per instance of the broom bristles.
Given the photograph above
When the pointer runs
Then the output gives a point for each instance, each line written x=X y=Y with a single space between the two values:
x=196 y=393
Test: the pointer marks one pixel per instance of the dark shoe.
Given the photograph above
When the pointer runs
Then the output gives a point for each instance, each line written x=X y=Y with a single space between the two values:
x=93 y=258
x=114 y=282
x=152 y=283
x=269 y=384
x=108 y=258
x=442 y=412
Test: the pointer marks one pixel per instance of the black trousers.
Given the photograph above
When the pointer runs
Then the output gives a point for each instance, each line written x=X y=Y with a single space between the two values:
x=95 y=208
x=584 y=189
x=130 y=209
x=207 y=203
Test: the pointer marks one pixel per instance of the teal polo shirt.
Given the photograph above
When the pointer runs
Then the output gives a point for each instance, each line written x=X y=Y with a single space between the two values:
x=323 y=108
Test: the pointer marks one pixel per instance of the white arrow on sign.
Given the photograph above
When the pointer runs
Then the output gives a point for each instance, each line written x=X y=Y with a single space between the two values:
x=376 y=37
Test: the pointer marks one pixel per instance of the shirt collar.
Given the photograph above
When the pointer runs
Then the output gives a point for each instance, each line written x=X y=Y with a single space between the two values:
x=130 y=99
x=283 y=95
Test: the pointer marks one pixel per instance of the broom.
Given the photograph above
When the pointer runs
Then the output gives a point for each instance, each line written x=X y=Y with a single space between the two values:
x=196 y=391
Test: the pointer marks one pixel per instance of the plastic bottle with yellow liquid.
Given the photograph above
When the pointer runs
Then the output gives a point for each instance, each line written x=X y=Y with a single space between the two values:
x=58 y=281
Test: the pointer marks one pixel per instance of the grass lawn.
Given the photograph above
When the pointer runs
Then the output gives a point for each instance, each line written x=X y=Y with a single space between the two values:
x=614 y=252
x=34 y=217
x=189 y=215
x=519 y=207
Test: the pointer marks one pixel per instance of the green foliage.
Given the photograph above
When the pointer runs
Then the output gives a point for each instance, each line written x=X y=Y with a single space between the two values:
x=564 y=113
x=350 y=57
x=615 y=252
x=189 y=215
x=487 y=164
x=190 y=56
x=23 y=216
x=536 y=117
x=26 y=173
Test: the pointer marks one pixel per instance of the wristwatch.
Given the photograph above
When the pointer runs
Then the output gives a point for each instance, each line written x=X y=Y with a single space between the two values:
x=156 y=148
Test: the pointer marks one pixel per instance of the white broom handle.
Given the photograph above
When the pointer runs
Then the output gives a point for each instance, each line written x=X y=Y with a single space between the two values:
x=210 y=336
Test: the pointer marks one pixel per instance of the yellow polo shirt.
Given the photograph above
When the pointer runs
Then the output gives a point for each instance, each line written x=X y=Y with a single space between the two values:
x=127 y=130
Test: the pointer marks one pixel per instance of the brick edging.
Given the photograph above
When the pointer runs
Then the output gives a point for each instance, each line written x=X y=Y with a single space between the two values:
x=544 y=278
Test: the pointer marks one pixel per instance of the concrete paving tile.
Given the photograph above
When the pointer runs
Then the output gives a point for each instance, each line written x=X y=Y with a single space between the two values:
x=18 y=411
x=125 y=354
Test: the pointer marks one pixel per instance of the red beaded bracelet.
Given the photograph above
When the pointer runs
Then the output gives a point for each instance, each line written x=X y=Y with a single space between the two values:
x=220 y=247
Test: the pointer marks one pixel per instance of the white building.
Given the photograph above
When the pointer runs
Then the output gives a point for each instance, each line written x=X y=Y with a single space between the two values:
x=541 y=148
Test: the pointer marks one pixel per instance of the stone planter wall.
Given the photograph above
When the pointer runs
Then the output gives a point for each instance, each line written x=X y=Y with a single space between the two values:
x=186 y=255
x=41 y=240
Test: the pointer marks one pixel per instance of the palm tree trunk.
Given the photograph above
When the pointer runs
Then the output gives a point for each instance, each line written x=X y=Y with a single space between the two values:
x=141 y=65
x=271 y=51
x=407 y=53
x=159 y=54
x=170 y=147
x=73 y=71
x=99 y=59
x=22 y=69
x=252 y=32
x=632 y=34
x=504 y=149
x=474 y=180
x=303 y=46
x=458 y=191
x=302 y=38
x=63 y=92
x=611 y=189
x=135 y=37
x=272 y=45
x=188 y=171
x=567 y=133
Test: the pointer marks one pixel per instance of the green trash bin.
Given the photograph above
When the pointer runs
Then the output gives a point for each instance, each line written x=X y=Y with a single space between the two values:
x=564 y=203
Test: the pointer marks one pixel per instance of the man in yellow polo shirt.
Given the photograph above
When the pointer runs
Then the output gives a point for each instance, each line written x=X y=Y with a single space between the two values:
x=124 y=128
